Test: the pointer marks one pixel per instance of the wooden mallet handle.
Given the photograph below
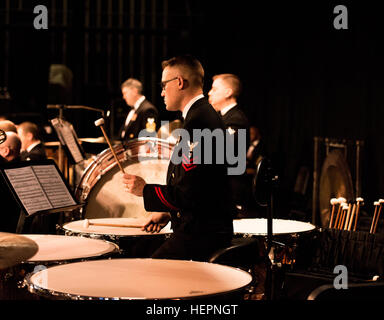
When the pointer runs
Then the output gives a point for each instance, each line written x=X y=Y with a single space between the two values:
x=100 y=123
x=87 y=223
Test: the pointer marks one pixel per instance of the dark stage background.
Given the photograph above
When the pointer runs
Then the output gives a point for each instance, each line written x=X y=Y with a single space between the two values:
x=302 y=78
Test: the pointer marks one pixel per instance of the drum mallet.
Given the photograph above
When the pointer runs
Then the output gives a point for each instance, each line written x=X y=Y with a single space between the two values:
x=100 y=123
x=87 y=223
x=352 y=217
x=360 y=202
x=376 y=204
x=381 y=201
x=334 y=202
x=341 y=201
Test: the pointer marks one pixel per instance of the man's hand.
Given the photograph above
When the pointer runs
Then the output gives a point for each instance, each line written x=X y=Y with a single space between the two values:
x=134 y=184
x=156 y=221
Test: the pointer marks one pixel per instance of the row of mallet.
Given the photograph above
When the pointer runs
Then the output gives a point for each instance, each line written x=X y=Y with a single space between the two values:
x=344 y=216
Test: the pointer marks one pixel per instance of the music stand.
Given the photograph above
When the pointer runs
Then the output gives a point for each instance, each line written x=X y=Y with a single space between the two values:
x=39 y=188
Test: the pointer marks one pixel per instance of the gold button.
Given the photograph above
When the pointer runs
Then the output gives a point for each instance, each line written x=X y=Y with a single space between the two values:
x=178 y=215
x=173 y=175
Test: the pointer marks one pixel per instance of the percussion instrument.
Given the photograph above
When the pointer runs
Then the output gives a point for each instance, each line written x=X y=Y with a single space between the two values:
x=129 y=279
x=15 y=248
x=59 y=249
x=288 y=236
x=101 y=186
x=53 y=250
x=258 y=227
x=132 y=241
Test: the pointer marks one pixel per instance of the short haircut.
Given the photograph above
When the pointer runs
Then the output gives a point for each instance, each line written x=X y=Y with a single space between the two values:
x=232 y=80
x=190 y=67
x=13 y=142
x=8 y=125
x=133 y=83
x=29 y=127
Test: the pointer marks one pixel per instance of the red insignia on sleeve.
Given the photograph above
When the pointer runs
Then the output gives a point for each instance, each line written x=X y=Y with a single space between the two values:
x=163 y=200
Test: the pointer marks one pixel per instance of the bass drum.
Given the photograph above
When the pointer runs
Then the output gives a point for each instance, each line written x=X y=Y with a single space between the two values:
x=101 y=187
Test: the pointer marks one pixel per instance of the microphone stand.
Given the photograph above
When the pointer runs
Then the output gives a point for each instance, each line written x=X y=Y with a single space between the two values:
x=269 y=283
x=265 y=186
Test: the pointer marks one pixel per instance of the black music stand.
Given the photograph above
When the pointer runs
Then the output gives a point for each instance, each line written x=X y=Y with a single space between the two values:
x=39 y=188
x=264 y=189
x=69 y=140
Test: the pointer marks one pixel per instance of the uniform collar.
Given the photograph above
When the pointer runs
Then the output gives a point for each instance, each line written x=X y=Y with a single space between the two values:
x=139 y=102
x=227 y=108
x=190 y=103
x=29 y=149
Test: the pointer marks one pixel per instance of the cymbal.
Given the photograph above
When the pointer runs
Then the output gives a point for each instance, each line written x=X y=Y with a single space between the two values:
x=15 y=249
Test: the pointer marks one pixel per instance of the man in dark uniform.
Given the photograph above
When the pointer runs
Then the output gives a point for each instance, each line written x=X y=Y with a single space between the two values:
x=32 y=148
x=10 y=145
x=195 y=197
x=223 y=96
x=143 y=115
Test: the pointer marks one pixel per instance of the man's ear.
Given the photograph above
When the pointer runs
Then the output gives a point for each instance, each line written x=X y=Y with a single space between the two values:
x=228 y=93
x=182 y=83
x=29 y=136
x=5 y=151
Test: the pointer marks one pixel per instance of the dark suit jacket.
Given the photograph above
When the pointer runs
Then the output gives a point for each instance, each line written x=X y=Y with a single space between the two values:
x=144 y=111
x=36 y=154
x=236 y=119
x=196 y=195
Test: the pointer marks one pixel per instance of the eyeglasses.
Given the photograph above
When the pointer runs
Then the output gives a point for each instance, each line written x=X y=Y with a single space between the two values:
x=163 y=83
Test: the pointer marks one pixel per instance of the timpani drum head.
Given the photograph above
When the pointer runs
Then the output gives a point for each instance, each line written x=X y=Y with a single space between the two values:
x=132 y=241
x=258 y=227
x=101 y=186
x=58 y=249
x=137 y=279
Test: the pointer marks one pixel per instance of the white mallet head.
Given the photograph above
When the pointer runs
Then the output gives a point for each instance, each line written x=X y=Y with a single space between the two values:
x=381 y=201
x=376 y=203
x=86 y=224
x=99 y=122
x=334 y=201
x=342 y=200
x=359 y=199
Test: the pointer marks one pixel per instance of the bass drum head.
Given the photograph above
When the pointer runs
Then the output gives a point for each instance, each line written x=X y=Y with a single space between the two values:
x=101 y=186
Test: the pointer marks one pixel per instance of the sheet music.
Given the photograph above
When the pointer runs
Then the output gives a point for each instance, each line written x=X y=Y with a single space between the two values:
x=71 y=144
x=68 y=137
x=54 y=186
x=39 y=188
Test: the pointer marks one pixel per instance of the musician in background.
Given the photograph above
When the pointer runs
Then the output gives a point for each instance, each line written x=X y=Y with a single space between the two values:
x=10 y=210
x=143 y=115
x=223 y=96
x=10 y=148
x=32 y=148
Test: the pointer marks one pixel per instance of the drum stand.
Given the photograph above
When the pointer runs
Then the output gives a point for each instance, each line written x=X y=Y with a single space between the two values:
x=264 y=188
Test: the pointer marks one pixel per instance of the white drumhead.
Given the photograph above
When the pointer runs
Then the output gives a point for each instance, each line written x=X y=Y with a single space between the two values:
x=79 y=227
x=61 y=248
x=279 y=226
x=140 y=279
x=108 y=197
